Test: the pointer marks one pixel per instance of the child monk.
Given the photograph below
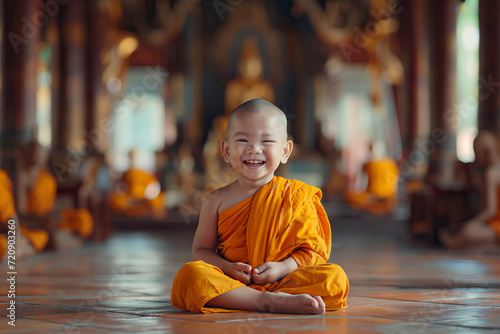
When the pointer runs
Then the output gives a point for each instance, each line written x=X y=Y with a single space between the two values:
x=483 y=229
x=262 y=242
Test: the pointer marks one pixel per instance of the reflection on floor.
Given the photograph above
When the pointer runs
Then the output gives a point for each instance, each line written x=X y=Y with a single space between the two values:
x=123 y=286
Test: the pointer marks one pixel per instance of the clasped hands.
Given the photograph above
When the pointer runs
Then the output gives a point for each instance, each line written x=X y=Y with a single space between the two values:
x=267 y=272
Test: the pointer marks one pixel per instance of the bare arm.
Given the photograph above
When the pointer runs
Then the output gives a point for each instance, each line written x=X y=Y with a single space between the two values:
x=490 y=184
x=205 y=243
x=205 y=239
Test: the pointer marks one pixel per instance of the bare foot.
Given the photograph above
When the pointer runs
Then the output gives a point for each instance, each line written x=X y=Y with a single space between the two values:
x=279 y=302
x=321 y=303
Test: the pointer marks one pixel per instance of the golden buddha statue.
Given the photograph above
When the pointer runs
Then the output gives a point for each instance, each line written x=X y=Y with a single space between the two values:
x=248 y=85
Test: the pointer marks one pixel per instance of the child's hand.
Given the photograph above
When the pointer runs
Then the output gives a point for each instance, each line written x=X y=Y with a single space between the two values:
x=240 y=271
x=269 y=272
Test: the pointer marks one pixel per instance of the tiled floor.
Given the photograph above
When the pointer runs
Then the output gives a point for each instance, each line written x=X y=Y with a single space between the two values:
x=123 y=286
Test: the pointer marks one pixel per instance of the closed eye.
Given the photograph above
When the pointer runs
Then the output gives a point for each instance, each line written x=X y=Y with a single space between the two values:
x=242 y=140
x=268 y=141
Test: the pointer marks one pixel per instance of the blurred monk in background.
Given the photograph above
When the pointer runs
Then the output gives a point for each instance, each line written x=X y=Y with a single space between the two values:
x=482 y=230
x=8 y=214
x=37 y=196
x=382 y=175
x=138 y=193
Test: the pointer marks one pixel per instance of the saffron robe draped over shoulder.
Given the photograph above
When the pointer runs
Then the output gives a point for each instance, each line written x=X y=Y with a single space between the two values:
x=284 y=218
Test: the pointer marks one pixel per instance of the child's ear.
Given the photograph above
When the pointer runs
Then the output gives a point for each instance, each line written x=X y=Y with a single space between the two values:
x=224 y=146
x=287 y=150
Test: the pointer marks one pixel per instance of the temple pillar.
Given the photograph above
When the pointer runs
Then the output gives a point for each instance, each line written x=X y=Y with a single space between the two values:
x=70 y=115
x=22 y=21
x=98 y=106
x=195 y=76
x=441 y=143
x=489 y=66
x=414 y=98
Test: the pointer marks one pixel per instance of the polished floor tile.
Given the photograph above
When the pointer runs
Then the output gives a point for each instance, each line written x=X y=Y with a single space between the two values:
x=123 y=286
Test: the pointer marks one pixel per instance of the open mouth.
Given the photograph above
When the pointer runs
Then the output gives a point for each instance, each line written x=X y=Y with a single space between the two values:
x=254 y=163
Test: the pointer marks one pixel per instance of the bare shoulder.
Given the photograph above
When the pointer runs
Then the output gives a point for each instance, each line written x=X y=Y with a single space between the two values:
x=216 y=198
x=231 y=195
x=212 y=201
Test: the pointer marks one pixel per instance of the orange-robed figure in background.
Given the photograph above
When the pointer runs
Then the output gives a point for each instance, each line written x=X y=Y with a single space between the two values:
x=380 y=195
x=262 y=242
x=41 y=189
x=138 y=193
x=26 y=241
x=7 y=208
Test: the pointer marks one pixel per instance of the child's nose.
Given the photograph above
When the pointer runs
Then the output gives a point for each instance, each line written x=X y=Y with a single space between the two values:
x=255 y=148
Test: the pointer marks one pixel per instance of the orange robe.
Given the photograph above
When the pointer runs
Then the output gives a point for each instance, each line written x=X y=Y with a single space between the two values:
x=137 y=182
x=41 y=199
x=7 y=208
x=3 y=245
x=284 y=218
x=380 y=195
x=495 y=222
x=79 y=221
x=42 y=195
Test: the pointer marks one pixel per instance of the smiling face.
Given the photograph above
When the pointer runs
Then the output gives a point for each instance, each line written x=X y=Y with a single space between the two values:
x=256 y=144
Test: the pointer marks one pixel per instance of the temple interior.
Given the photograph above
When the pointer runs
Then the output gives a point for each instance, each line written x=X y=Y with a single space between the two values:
x=112 y=114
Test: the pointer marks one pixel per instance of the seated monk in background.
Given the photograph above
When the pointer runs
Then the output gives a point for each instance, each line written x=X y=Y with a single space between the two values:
x=37 y=195
x=380 y=195
x=138 y=193
x=8 y=213
x=483 y=229
x=262 y=242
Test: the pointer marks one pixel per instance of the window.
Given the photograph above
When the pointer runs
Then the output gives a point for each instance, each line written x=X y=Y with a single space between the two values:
x=139 y=119
x=467 y=78
x=43 y=97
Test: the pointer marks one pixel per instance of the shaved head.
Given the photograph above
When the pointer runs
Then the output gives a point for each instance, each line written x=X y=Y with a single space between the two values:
x=260 y=105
